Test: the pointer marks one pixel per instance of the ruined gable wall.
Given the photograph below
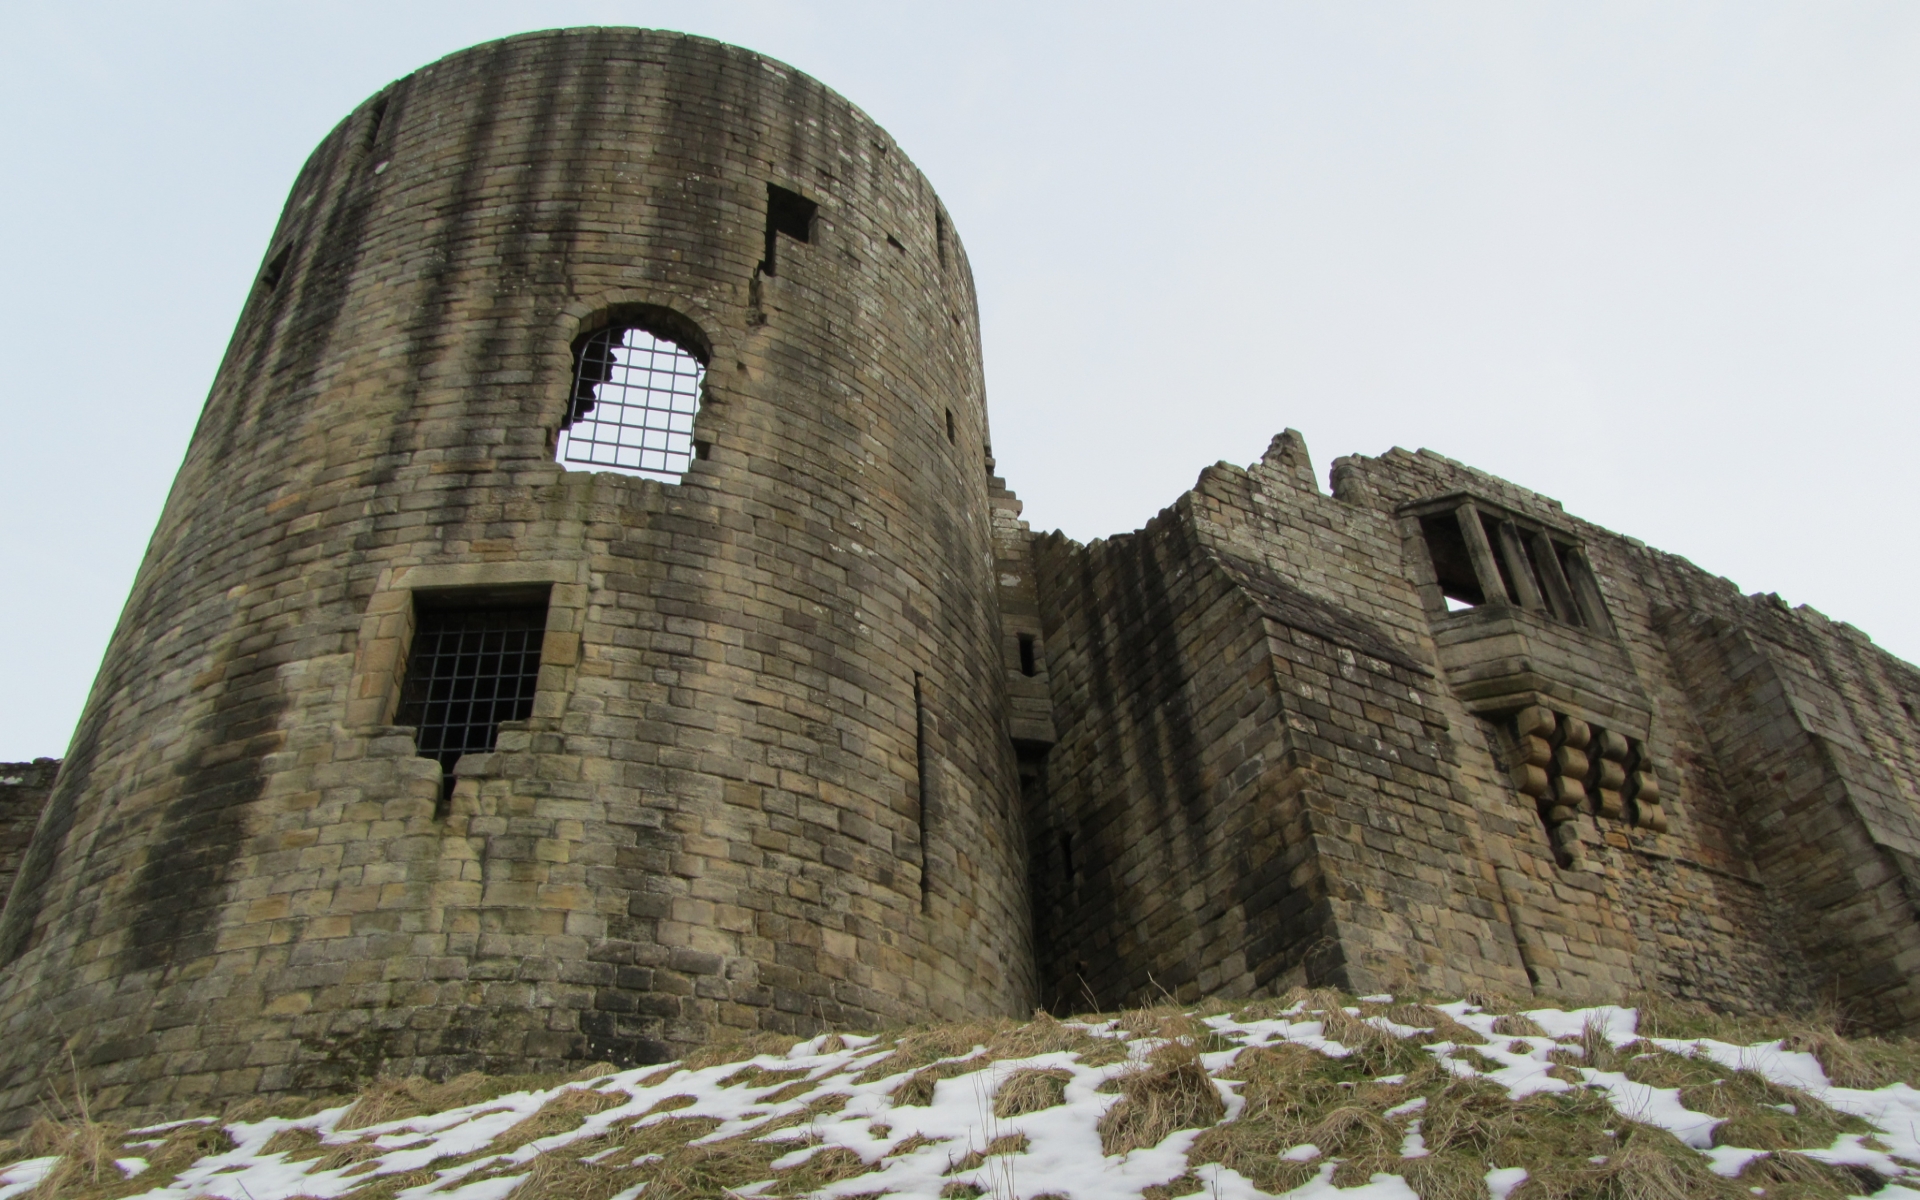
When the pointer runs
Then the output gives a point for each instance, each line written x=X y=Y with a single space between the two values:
x=1169 y=849
x=1404 y=851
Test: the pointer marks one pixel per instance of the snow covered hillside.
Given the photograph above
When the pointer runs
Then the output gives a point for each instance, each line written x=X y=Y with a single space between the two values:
x=1316 y=1095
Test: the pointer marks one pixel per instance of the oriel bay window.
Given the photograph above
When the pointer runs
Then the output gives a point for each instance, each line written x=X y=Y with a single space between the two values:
x=1482 y=554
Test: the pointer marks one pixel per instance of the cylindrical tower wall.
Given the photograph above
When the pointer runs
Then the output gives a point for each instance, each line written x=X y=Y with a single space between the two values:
x=765 y=783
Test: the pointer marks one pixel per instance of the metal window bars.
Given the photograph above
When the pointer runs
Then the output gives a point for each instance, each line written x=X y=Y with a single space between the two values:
x=634 y=396
x=469 y=670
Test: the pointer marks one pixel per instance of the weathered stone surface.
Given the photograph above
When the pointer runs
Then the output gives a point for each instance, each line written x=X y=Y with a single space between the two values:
x=824 y=736
x=713 y=816
x=23 y=795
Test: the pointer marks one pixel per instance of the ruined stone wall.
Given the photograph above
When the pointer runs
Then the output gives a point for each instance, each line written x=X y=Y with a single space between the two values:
x=1680 y=910
x=766 y=782
x=1263 y=779
x=1417 y=819
x=24 y=788
x=1170 y=796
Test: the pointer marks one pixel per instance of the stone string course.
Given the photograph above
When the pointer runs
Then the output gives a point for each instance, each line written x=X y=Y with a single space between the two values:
x=824 y=735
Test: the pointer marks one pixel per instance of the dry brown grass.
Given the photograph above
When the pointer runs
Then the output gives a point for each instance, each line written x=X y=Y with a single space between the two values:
x=565 y=1111
x=1517 y=1025
x=918 y=1089
x=721 y=1053
x=1170 y=1092
x=86 y=1149
x=398 y=1099
x=1011 y=1143
x=701 y=1172
x=666 y=1104
x=1756 y=1120
x=806 y=1114
x=1653 y=1165
x=1857 y=1062
x=911 y=1143
x=1182 y=1185
x=822 y=1167
x=1030 y=1090
x=563 y=1176
x=918 y=1047
x=1786 y=1176
x=757 y=1076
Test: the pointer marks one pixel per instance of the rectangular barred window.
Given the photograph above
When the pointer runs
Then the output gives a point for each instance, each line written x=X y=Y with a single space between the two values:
x=474 y=663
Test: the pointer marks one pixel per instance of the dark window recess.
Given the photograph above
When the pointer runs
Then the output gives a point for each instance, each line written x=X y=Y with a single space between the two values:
x=469 y=670
x=1027 y=664
x=950 y=433
x=789 y=213
x=1452 y=563
x=634 y=398
x=1066 y=855
x=940 y=237
x=896 y=243
x=376 y=117
x=276 y=267
x=1528 y=567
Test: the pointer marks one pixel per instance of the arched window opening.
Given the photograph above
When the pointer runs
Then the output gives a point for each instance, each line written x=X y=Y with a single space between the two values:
x=634 y=397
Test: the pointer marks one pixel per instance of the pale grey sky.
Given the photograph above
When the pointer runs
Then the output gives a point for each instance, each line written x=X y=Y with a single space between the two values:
x=1660 y=261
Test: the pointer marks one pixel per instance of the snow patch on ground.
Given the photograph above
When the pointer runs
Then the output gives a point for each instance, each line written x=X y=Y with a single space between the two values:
x=913 y=1150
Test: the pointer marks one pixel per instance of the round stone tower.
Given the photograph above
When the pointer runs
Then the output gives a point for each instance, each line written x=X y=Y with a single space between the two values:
x=753 y=770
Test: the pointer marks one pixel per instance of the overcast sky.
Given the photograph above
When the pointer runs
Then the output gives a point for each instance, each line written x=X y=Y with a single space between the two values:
x=1660 y=261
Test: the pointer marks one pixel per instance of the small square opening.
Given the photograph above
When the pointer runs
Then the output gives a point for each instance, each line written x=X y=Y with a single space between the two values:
x=474 y=662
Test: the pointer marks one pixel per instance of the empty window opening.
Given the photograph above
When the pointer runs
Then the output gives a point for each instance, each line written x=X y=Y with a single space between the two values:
x=789 y=213
x=1027 y=664
x=276 y=267
x=940 y=237
x=1452 y=562
x=950 y=433
x=471 y=667
x=1520 y=563
x=1066 y=855
x=376 y=116
x=896 y=243
x=634 y=398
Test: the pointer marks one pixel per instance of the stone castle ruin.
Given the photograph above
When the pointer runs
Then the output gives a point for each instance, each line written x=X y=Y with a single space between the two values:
x=586 y=624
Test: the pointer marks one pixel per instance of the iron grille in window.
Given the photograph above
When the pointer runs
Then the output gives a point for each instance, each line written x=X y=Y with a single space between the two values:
x=469 y=670
x=634 y=396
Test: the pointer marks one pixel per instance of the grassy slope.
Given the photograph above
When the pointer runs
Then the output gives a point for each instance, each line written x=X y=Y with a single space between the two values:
x=840 y=1114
